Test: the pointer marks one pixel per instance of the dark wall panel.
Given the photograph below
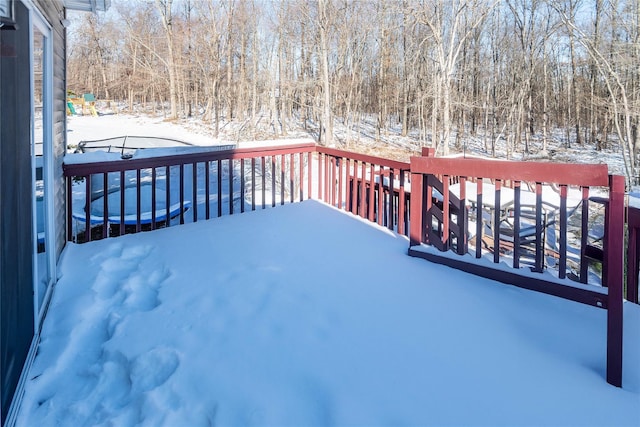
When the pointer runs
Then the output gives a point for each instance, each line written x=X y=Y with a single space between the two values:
x=16 y=304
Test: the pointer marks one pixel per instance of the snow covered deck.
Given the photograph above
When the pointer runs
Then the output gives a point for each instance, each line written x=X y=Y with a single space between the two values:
x=307 y=315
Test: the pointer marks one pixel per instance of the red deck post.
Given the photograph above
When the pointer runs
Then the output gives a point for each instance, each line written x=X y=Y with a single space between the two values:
x=415 y=226
x=428 y=152
x=614 y=258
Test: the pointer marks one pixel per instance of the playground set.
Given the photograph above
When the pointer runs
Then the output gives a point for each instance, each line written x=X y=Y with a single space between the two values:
x=86 y=103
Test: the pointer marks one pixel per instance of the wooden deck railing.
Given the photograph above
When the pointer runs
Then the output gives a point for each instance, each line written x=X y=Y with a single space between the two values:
x=368 y=186
x=484 y=197
x=147 y=193
x=494 y=210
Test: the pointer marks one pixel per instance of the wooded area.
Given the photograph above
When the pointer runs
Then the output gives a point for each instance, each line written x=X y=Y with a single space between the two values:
x=439 y=70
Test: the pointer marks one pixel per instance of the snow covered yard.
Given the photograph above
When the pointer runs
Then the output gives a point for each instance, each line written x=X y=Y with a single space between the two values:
x=305 y=315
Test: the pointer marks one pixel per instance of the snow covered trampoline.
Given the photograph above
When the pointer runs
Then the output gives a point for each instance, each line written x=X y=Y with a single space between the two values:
x=306 y=315
x=128 y=145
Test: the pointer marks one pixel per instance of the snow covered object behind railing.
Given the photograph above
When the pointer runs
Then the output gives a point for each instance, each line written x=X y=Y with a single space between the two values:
x=160 y=189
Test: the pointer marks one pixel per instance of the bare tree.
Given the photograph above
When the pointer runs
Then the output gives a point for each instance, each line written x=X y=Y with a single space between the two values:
x=444 y=19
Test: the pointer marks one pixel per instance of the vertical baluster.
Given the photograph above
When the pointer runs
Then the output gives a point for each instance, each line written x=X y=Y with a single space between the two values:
x=496 y=223
x=207 y=190
x=326 y=179
x=380 y=215
x=301 y=174
x=320 y=182
x=291 y=178
x=153 y=198
x=540 y=220
x=167 y=197
x=105 y=204
x=340 y=181
x=230 y=177
x=87 y=208
x=242 y=185
x=253 y=183
x=516 y=224
x=479 y=218
x=333 y=191
x=584 y=234
x=273 y=181
x=416 y=232
x=219 y=183
x=194 y=190
x=445 y=213
x=350 y=185
x=138 y=200
x=392 y=193
x=309 y=175
x=562 y=268
x=429 y=212
x=372 y=184
x=181 y=193
x=334 y=181
x=401 y=205
x=122 y=201
x=264 y=181
x=354 y=188
x=462 y=217
x=282 y=175
x=363 y=190
x=70 y=236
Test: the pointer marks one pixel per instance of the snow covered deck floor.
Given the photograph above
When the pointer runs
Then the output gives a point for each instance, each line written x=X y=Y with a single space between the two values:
x=305 y=315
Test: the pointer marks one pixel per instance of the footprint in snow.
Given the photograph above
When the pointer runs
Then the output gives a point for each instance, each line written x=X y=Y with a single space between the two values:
x=154 y=368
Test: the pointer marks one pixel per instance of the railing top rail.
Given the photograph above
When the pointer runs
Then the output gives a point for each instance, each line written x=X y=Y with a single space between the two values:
x=569 y=174
x=82 y=169
x=363 y=158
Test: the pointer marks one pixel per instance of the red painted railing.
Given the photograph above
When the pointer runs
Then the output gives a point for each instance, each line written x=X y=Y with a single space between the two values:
x=147 y=193
x=368 y=186
x=442 y=203
x=504 y=225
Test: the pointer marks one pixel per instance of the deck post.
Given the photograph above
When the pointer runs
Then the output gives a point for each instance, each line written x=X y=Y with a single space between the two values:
x=415 y=225
x=614 y=258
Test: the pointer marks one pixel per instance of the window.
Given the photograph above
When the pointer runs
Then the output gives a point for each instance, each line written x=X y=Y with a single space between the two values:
x=41 y=154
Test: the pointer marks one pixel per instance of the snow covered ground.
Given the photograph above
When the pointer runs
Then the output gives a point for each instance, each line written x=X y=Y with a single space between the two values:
x=305 y=315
